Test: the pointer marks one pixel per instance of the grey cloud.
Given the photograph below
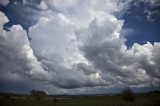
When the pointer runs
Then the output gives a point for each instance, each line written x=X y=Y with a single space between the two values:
x=107 y=51
x=86 y=68
x=4 y=2
x=54 y=44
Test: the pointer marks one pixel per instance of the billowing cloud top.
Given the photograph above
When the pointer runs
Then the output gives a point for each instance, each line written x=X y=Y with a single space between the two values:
x=78 y=44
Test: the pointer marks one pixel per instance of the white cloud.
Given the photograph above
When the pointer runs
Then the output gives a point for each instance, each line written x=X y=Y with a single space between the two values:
x=16 y=55
x=4 y=2
x=83 y=12
x=104 y=47
x=78 y=45
x=43 y=5
x=54 y=43
x=85 y=47
x=99 y=44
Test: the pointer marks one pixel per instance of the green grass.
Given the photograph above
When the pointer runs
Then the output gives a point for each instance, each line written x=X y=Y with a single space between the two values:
x=141 y=100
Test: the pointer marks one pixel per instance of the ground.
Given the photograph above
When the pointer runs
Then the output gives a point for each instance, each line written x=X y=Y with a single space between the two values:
x=94 y=100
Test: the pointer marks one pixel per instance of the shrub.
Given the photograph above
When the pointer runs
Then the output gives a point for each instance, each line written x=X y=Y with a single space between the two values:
x=128 y=95
x=38 y=95
x=7 y=96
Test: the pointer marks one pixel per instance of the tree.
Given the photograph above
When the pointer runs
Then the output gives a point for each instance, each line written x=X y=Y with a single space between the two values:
x=38 y=95
x=128 y=95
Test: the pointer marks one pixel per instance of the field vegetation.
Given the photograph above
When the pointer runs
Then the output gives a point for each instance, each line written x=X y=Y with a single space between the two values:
x=40 y=98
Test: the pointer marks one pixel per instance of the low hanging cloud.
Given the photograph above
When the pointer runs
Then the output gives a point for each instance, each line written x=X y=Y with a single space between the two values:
x=73 y=48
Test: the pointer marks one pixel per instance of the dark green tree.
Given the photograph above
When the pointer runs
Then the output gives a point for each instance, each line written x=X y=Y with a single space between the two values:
x=38 y=95
x=128 y=95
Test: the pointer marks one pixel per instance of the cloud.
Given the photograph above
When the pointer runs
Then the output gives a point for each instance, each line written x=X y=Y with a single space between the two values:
x=72 y=48
x=152 y=2
x=4 y=2
x=125 y=32
x=94 y=48
x=54 y=44
x=105 y=48
x=16 y=55
x=150 y=12
x=83 y=12
x=43 y=5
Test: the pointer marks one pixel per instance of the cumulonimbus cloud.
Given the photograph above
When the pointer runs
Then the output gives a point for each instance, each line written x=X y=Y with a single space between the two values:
x=95 y=48
x=74 y=48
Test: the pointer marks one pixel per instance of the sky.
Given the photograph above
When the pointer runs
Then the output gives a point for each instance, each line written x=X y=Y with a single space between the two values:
x=79 y=46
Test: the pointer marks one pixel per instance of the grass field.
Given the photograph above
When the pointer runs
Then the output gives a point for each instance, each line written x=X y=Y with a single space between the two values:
x=141 y=100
